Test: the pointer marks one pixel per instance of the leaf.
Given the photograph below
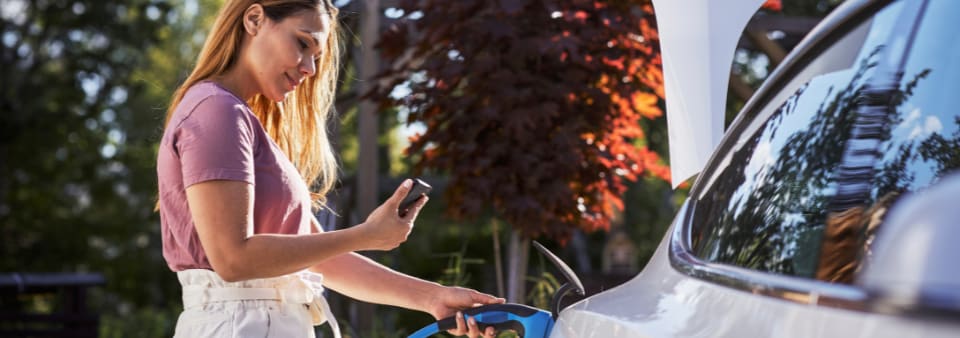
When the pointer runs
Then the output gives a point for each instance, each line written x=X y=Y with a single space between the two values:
x=646 y=105
x=773 y=5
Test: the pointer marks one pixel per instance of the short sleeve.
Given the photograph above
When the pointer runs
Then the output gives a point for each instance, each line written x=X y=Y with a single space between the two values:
x=216 y=141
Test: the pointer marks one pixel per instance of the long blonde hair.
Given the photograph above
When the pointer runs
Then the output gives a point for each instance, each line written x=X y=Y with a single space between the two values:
x=300 y=126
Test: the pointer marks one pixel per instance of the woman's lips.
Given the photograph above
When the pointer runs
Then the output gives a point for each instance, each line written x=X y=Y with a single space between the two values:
x=290 y=81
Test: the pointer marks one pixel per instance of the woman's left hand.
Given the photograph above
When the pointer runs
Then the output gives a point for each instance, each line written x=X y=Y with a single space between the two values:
x=451 y=300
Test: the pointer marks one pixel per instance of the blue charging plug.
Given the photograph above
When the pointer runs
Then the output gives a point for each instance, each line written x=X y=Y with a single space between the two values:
x=528 y=322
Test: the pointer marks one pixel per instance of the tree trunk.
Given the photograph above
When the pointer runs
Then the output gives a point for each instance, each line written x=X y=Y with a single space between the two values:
x=367 y=176
x=518 y=252
x=498 y=257
x=579 y=246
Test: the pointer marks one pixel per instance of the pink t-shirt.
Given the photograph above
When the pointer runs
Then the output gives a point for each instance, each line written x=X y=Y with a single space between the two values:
x=213 y=135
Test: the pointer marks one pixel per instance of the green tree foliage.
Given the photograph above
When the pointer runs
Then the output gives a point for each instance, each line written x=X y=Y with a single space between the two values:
x=533 y=107
x=83 y=91
x=75 y=173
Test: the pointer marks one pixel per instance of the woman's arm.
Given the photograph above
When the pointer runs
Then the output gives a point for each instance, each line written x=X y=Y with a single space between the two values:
x=222 y=212
x=361 y=278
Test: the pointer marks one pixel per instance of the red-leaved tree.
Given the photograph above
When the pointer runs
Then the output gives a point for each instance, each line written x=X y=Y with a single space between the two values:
x=533 y=107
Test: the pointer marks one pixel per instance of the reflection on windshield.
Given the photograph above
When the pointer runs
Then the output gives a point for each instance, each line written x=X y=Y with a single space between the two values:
x=923 y=143
x=766 y=208
x=806 y=192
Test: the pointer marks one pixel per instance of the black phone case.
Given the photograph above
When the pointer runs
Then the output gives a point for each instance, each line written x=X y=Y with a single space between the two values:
x=419 y=189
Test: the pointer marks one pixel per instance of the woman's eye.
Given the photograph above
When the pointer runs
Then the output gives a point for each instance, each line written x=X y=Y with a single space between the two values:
x=303 y=45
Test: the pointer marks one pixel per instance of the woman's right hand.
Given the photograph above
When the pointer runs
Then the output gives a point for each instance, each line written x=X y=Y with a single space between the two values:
x=384 y=229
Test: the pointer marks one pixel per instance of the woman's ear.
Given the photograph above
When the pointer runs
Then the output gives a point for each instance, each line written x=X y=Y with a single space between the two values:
x=253 y=19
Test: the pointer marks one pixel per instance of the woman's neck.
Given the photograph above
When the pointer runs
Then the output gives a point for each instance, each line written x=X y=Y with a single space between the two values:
x=236 y=82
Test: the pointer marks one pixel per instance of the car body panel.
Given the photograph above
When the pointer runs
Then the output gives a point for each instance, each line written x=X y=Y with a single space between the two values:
x=662 y=302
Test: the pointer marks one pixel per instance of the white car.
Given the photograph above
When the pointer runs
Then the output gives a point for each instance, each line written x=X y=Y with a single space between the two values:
x=831 y=207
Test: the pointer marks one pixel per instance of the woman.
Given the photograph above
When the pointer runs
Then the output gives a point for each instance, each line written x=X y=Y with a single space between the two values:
x=244 y=139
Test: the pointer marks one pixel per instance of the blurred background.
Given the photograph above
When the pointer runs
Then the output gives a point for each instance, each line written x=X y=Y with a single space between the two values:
x=532 y=120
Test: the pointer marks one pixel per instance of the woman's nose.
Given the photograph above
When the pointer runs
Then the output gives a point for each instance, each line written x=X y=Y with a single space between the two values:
x=308 y=66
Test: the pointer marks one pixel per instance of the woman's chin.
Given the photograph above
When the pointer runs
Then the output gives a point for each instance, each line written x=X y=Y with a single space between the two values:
x=278 y=96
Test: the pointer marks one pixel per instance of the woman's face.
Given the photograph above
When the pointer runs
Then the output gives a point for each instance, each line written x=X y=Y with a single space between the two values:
x=282 y=53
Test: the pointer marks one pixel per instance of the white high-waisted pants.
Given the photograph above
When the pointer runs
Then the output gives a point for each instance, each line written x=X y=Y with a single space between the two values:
x=286 y=306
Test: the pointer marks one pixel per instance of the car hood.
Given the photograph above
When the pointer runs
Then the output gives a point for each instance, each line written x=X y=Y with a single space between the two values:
x=628 y=310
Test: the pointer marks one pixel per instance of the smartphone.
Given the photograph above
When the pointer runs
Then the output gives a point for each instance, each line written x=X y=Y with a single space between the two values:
x=418 y=190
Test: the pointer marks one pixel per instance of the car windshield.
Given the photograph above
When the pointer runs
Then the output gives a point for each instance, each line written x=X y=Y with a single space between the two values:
x=807 y=183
